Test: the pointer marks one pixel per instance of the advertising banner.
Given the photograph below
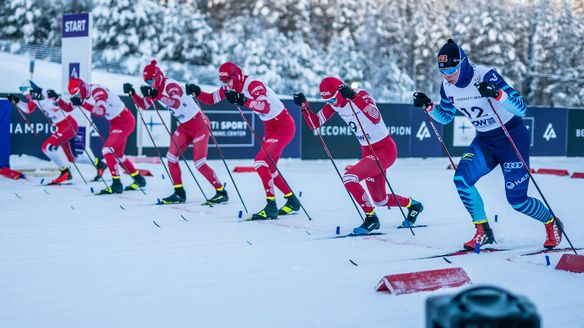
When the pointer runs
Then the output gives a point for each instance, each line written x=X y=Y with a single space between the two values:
x=5 y=117
x=549 y=131
x=576 y=132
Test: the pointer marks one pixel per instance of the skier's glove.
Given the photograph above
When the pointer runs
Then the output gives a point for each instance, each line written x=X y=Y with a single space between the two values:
x=487 y=89
x=300 y=100
x=52 y=94
x=13 y=99
x=347 y=92
x=148 y=91
x=129 y=89
x=422 y=100
x=191 y=88
x=235 y=97
x=76 y=101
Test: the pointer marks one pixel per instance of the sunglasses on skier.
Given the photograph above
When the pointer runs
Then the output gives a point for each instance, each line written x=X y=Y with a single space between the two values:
x=449 y=70
x=332 y=99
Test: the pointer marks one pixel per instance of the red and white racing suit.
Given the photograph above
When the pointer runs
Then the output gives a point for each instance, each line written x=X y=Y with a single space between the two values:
x=65 y=124
x=278 y=124
x=103 y=102
x=369 y=117
x=193 y=128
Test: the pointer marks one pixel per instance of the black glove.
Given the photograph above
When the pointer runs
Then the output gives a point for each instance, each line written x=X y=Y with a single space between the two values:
x=191 y=88
x=487 y=89
x=13 y=99
x=147 y=91
x=299 y=99
x=76 y=101
x=235 y=97
x=421 y=100
x=37 y=94
x=129 y=89
x=52 y=94
x=347 y=92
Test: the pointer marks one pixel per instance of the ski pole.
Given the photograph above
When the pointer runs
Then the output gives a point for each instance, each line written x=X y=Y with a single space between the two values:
x=104 y=142
x=561 y=226
x=154 y=143
x=182 y=156
x=269 y=156
x=41 y=139
x=439 y=138
x=221 y=154
x=59 y=137
x=328 y=153
x=380 y=167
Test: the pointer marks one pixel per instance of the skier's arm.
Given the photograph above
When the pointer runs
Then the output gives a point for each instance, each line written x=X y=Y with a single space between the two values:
x=313 y=120
x=212 y=98
x=64 y=105
x=367 y=105
x=28 y=107
x=142 y=103
x=507 y=96
x=100 y=96
x=259 y=103
x=443 y=112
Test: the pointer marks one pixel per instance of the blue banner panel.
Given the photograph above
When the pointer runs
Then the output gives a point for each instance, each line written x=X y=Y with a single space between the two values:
x=398 y=118
x=5 y=114
x=23 y=139
x=575 y=132
x=75 y=25
x=424 y=142
x=549 y=132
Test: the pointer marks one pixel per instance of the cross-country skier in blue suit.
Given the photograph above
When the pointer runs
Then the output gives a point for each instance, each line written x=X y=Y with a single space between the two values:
x=468 y=87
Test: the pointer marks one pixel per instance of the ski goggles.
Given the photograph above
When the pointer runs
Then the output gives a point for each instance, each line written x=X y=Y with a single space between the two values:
x=149 y=82
x=332 y=99
x=449 y=70
x=23 y=88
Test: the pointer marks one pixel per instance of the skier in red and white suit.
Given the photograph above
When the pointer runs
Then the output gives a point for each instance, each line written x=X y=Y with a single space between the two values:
x=244 y=90
x=341 y=99
x=65 y=124
x=193 y=129
x=101 y=101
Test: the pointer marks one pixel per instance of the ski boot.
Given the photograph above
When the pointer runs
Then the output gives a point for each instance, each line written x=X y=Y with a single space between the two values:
x=484 y=235
x=139 y=182
x=553 y=230
x=292 y=205
x=270 y=212
x=220 y=197
x=100 y=166
x=414 y=209
x=371 y=223
x=64 y=176
x=115 y=188
x=178 y=197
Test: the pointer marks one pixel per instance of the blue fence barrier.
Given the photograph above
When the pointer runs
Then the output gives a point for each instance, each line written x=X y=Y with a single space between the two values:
x=554 y=132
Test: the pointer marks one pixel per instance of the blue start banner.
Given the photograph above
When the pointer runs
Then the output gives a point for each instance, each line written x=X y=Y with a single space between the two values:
x=75 y=25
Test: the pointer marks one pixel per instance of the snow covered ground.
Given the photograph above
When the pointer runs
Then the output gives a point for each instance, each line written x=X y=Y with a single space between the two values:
x=71 y=259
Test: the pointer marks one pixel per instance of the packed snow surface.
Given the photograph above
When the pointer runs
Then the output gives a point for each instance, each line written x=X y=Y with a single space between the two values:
x=72 y=259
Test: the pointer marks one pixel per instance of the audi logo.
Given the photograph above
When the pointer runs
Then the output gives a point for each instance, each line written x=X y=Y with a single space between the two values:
x=512 y=165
